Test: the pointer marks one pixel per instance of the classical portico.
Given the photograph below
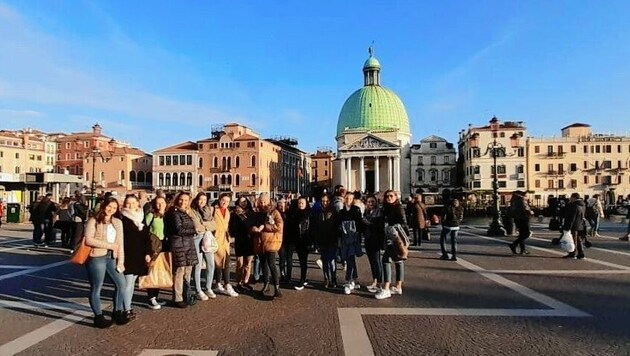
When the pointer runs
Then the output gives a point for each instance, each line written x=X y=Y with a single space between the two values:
x=373 y=137
x=370 y=165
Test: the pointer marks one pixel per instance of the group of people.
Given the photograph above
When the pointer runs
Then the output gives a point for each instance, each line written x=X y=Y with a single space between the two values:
x=200 y=238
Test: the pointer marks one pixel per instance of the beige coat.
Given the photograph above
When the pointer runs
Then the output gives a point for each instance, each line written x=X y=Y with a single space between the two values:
x=96 y=237
x=222 y=256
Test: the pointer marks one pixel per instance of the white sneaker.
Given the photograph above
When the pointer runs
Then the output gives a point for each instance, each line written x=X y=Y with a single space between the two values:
x=211 y=294
x=153 y=304
x=219 y=289
x=348 y=287
x=373 y=289
x=202 y=296
x=395 y=290
x=319 y=263
x=230 y=291
x=383 y=294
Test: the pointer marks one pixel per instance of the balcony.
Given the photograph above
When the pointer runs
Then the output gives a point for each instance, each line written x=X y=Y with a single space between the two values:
x=556 y=154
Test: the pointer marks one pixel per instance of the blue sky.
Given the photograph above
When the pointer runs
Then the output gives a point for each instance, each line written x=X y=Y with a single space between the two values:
x=158 y=74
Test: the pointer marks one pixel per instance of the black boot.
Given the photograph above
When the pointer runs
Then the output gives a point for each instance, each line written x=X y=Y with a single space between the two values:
x=265 y=288
x=120 y=318
x=101 y=323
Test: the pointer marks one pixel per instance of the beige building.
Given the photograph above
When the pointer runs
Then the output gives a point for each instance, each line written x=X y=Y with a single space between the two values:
x=476 y=159
x=237 y=160
x=578 y=161
x=176 y=168
x=322 y=168
x=119 y=169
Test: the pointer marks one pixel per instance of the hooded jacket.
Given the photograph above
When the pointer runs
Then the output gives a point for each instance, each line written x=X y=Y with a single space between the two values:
x=574 y=216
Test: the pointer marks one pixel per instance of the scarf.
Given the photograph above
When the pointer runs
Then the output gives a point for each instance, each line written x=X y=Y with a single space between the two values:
x=136 y=216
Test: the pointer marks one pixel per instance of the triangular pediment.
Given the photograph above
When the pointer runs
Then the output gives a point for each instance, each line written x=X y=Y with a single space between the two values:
x=369 y=142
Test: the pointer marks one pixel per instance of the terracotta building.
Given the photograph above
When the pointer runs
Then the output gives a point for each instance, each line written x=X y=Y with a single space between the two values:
x=321 y=168
x=177 y=167
x=73 y=148
x=119 y=169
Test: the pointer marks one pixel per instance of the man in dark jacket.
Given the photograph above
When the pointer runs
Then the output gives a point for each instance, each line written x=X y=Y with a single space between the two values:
x=627 y=236
x=574 y=222
x=452 y=216
x=521 y=212
x=42 y=218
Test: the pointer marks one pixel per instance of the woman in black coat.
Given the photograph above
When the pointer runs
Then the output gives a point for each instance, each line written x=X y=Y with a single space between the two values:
x=393 y=214
x=325 y=229
x=179 y=229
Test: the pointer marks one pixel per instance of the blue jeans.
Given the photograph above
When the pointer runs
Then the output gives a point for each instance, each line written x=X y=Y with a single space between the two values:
x=329 y=265
x=443 y=235
x=351 y=268
x=130 y=287
x=96 y=269
x=387 y=268
x=594 y=222
x=257 y=271
x=376 y=264
x=39 y=228
x=209 y=257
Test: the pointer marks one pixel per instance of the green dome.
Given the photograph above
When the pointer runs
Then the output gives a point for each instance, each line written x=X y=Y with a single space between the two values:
x=373 y=107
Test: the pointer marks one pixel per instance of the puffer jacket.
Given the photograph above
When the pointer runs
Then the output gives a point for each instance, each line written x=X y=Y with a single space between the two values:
x=180 y=232
x=271 y=236
x=325 y=227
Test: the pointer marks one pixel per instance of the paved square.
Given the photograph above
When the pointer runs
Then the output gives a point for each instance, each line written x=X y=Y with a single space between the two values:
x=488 y=302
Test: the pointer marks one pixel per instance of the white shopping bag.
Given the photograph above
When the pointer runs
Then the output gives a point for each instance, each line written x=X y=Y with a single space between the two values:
x=566 y=242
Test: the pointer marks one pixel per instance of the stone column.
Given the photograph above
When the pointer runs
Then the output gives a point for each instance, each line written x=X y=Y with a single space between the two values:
x=362 y=174
x=389 y=173
x=397 y=174
x=377 y=187
x=342 y=172
x=349 y=174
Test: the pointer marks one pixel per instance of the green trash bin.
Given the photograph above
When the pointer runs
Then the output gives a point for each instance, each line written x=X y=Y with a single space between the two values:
x=13 y=213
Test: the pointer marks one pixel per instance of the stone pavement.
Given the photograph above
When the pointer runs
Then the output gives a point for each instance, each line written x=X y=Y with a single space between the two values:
x=488 y=302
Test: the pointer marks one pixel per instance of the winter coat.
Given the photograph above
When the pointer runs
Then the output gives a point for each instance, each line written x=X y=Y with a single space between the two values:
x=297 y=227
x=519 y=209
x=419 y=217
x=375 y=230
x=270 y=239
x=43 y=211
x=574 y=216
x=325 y=227
x=452 y=216
x=222 y=235
x=137 y=246
x=96 y=237
x=180 y=232
x=349 y=239
x=239 y=227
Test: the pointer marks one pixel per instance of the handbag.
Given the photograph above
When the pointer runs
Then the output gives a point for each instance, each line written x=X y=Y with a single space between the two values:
x=81 y=254
x=160 y=273
x=209 y=243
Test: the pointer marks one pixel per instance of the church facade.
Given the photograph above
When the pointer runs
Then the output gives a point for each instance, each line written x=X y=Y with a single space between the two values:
x=373 y=138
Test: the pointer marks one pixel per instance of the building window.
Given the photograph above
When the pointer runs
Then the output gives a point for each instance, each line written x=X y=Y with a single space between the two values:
x=573 y=183
x=17 y=170
x=122 y=175
x=537 y=183
x=520 y=168
x=140 y=178
x=585 y=179
x=560 y=149
x=216 y=162
x=550 y=183
x=433 y=159
x=215 y=180
x=200 y=163
x=237 y=161
x=132 y=176
x=597 y=149
x=161 y=179
x=549 y=149
x=237 y=180
x=68 y=145
x=502 y=184
x=476 y=184
x=573 y=167
x=433 y=175
x=200 y=182
x=432 y=145
x=520 y=184
x=560 y=183
x=521 y=151
x=573 y=149
x=446 y=159
x=501 y=169
x=189 y=178
x=168 y=179
x=325 y=173
x=476 y=152
x=176 y=160
x=182 y=160
x=536 y=149
x=253 y=179
x=168 y=160
x=253 y=161
x=175 y=179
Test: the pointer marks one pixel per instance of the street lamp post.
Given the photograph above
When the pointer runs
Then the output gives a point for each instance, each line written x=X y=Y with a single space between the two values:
x=496 y=226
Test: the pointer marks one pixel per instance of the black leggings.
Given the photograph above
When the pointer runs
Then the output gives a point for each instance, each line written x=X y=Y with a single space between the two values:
x=302 y=252
x=268 y=264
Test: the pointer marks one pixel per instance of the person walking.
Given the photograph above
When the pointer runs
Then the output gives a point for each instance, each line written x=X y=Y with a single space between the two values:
x=268 y=237
x=374 y=241
x=594 y=213
x=325 y=232
x=104 y=234
x=349 y=229
x=222 y=256
x=42 y=219
x=203 y=217
x=1 y=211
x=418 y=221
x=154 y=219
x=137 y=252
x=626 y=237
x=452 y=216
x=521 y=212
x=393 y=214
x=180 y=232
x=574 y=222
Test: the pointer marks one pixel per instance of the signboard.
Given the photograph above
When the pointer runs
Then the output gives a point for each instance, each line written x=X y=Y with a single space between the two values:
x=9 y=177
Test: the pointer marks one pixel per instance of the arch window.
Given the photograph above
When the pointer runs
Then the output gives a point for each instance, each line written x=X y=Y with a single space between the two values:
x=237 y=180
x=168 y=180
x=253 y=179
x=215 y=180
x=200 y=162
x=421 y=175
x=253 y=161
x=229 y=162
x=446 y=175
x=223 y=163
x=122 y=174
x=433 y=175
x=161 y=179
x=140 y=177
x=149 y=178
x=200 y=181
x=132 y=176
x=182 y=178
x=229 y=179
x=216 y=162
x=189 y=179
x=223 y=180
x=175 y=179
x=237 y=161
